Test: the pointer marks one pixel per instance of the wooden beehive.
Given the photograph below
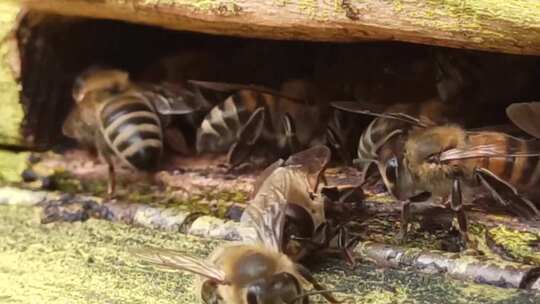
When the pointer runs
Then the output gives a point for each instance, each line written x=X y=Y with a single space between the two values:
x=56 y=39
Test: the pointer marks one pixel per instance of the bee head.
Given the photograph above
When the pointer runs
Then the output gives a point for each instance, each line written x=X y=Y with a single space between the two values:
x=97 y=79
x=425 y=146
x=398 y=179
x=423 y=150
x=281 y=287
x=299 y=224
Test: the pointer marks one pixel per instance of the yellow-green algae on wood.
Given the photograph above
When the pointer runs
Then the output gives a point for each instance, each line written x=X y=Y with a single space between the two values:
x=518 y=245
x=89 y=263
x=86 y=263
x=11 y=113
x=12 y=165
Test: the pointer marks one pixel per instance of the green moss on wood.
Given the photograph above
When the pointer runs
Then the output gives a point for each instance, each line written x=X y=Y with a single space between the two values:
x=12 y=165
x=517 y=245
x=209 y=201
x=12 y=113
x=87 y=263
x=90 y=263
x=465 y=18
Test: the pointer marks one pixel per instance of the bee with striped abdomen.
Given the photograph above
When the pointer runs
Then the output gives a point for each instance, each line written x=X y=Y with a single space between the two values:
x=122 y=119
x=385 y=137
x=259 y=125
x=247 y=273
x=447 y=161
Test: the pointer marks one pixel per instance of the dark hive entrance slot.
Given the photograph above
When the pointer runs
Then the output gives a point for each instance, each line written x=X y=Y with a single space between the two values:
x=55 y=49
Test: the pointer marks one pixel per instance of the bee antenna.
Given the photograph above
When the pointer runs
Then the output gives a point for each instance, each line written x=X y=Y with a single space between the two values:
x=316 y=292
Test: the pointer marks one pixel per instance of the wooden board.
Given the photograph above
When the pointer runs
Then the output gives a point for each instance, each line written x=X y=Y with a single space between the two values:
x=511 y=26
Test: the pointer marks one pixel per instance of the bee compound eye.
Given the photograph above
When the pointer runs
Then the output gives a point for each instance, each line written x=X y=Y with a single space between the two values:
x=251 y=295
x=392 y=170
x=434 y=158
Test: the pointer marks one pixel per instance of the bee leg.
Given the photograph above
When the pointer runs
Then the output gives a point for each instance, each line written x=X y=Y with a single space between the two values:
x=319 y=238
x=507 y=195
x=306 y=274
x=104 y=153
x=290 y=134
x=345 y=243
x=404 y=222
x=111 y=186
x=406 y=214
x=457 y=206
x=248 y=135
x=336 y=143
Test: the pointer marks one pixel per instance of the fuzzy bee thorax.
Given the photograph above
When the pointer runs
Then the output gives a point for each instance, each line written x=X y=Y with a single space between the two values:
x=422 y=150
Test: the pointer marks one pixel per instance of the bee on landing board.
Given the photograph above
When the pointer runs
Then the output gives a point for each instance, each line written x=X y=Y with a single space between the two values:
x=294 y=184
x=385 y=137
x=247 y=273
x=258 y=125
x=447 y=161
x=124 y=121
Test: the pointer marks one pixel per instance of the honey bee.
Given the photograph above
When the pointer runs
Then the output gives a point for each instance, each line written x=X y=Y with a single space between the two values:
x=251 y=273
x=293 y=184
x=447 y=162
x=385 y=137
x=258 y=125
x=122 y=119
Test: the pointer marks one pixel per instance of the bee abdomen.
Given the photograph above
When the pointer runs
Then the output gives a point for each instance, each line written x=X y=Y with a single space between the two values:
x=133 y=131
x=219 y=129
x=520 y=171
x=530 y=168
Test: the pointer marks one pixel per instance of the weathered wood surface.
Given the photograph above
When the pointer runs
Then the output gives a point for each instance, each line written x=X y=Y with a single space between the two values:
x=511 y=26
x=90 y=263
x=12 y=114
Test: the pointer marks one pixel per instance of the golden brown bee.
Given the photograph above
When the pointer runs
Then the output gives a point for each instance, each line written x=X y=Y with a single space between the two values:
x=124 y=120
x=447 y=161
x=249 y=273
x=259 y=125
x=384 y=137
x=293 y=184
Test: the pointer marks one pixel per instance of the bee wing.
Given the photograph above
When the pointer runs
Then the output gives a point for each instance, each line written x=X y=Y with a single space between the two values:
x=179 y=261
x=312 y=161
x=264 y=175
x=491 y=150
x=170 y=99
x=269 y=223
x=234 y=87
x=526 y=116
x=378 y=111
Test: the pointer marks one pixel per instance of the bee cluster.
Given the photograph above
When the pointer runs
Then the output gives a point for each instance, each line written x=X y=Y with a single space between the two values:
x=426 y=130
x=287 y=219
x=418 y=151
